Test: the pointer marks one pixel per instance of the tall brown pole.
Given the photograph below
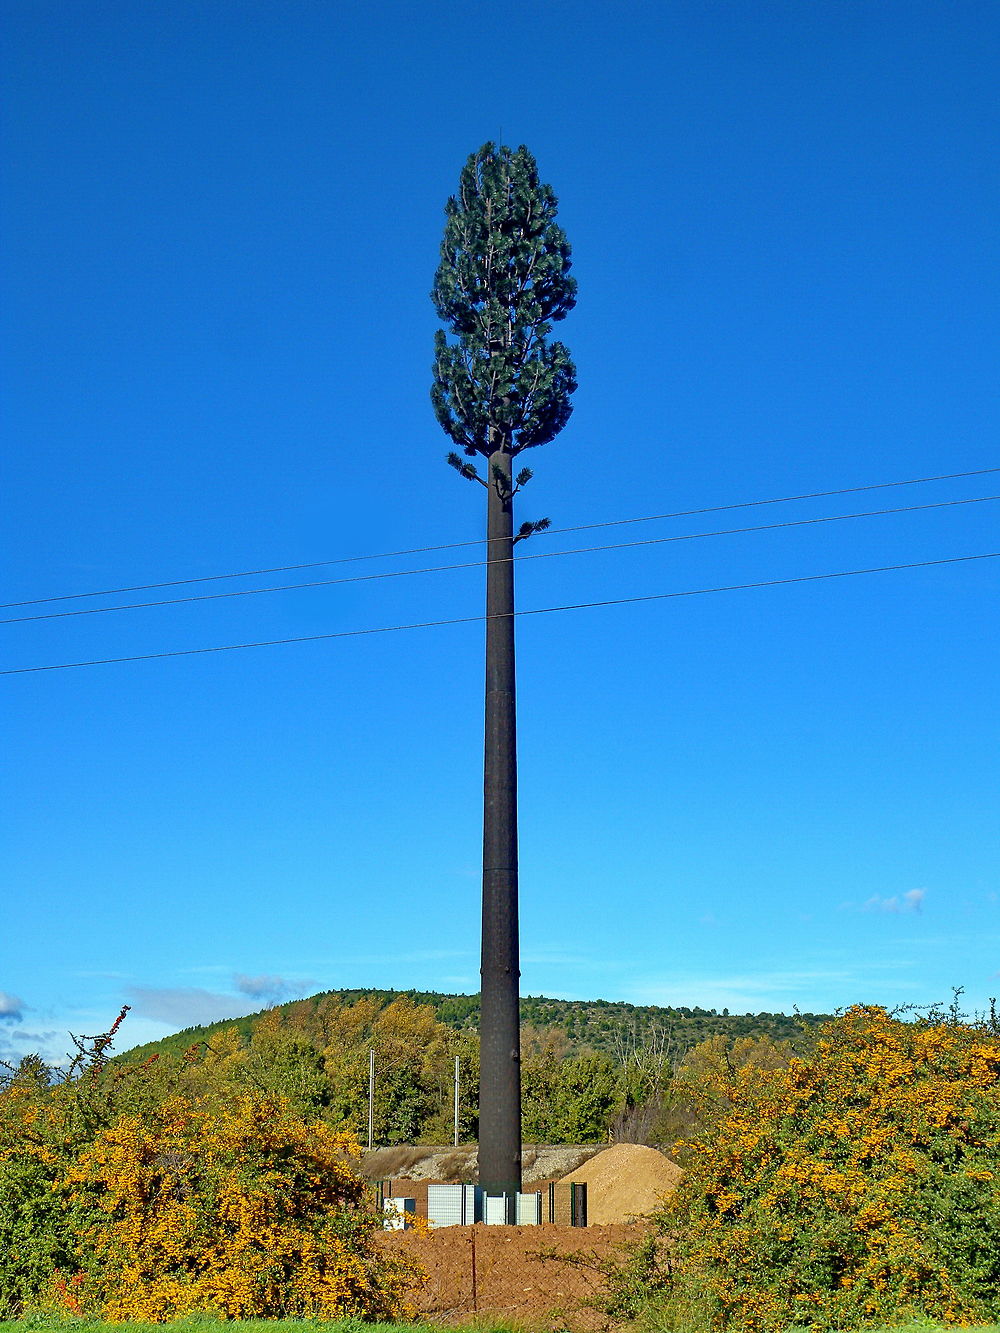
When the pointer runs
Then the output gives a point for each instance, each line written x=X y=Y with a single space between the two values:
x=501 y=387
x=500 y=1041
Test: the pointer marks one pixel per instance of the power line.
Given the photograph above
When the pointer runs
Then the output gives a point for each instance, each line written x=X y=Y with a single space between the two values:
x=452 y=546
x=475 y=564
x=469 y=620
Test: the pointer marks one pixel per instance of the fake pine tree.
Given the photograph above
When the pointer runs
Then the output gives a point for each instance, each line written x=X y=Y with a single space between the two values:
x=500 y=387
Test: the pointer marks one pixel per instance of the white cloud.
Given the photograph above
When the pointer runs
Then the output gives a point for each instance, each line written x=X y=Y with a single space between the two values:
x=11 y=1007
x=743 y=992
x=271 y=989
x=909 y=901
x=19 y=1042
x=185 y=1006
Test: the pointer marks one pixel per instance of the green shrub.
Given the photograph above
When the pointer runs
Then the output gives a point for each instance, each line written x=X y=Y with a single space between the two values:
x=859 y=1185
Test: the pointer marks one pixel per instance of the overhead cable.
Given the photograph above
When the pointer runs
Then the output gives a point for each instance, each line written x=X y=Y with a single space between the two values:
x=469 y=620
x=475 y=564
x=451 y=546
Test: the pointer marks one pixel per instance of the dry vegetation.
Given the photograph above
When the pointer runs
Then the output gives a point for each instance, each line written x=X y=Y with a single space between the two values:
x=454 y=1165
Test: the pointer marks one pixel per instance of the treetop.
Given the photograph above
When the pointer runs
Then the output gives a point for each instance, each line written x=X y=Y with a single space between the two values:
x=503 y=279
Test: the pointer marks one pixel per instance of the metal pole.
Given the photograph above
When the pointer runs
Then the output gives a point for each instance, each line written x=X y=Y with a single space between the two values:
x=371 y=1098
x=456 y=1101
x=499 y=1025
x=475 y=1293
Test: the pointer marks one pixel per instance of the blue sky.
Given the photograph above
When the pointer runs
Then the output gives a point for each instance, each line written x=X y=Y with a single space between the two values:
x=222 y=224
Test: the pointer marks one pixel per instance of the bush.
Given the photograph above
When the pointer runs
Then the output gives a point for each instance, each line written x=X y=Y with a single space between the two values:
x=248 y=1212
x=143 y=1192
x=858 y=1185
x=37 y=1141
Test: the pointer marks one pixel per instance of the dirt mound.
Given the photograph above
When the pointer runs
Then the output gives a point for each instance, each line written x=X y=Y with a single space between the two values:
x=626 y=1181
x=540 y=1164
x=513 y=1273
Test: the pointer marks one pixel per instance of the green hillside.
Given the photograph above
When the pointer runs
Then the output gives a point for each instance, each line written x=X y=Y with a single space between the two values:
x=589 y=1069
x=587 y=1025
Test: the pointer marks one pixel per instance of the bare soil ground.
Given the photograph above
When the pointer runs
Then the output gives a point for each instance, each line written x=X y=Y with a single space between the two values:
x=511 y=1273
x=517 y=1273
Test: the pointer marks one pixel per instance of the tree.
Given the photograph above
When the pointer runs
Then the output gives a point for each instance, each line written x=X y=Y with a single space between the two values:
x=500 y=387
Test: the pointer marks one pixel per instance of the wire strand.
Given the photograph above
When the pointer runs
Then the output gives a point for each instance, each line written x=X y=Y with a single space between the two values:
x=476 y=564
x=469 y=620
x=452 y=546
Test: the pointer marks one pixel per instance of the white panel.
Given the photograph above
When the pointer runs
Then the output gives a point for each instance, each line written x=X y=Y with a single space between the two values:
x=446 y=1205
x=399 y=1213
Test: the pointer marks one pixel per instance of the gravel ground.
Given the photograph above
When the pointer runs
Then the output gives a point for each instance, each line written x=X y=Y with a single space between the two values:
x=452 y=1165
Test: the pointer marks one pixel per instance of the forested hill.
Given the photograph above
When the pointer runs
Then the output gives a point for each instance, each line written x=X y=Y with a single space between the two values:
x=585 y=1025
x=588 y=1068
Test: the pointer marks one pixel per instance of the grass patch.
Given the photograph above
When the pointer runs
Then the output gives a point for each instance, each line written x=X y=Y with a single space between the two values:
x=920 y=1326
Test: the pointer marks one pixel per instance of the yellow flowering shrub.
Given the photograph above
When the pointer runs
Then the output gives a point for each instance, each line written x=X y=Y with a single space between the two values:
x=245 y=1211
x=855 y=1186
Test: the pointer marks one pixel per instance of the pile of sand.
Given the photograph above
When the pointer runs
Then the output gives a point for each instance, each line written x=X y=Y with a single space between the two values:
x=626 y=1181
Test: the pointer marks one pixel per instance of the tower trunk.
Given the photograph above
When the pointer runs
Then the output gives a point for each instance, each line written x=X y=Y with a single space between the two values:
x=499 y=1032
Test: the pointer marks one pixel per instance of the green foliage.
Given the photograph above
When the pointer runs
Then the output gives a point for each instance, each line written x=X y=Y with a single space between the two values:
x=45 y=1121
x=588 y=1025
x=502 y=280
x=173 y=1186
x=572 y=1100
x=588 y=1067
x=36 y=1232
x=245 y=1210
x=587 y=1095
x=633 y=1279
x=857 y=1185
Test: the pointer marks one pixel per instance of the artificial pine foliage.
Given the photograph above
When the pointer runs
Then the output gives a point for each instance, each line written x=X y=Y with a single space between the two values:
x=502 y=281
